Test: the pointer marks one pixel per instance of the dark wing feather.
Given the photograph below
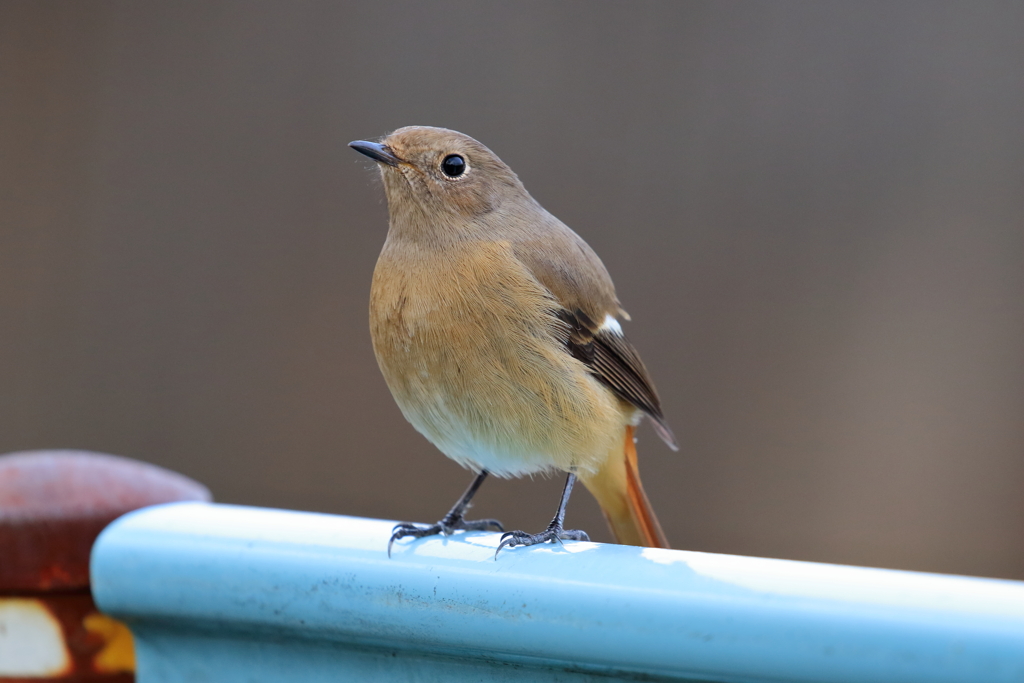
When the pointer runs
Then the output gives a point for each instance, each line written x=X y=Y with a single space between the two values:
x=614 y=361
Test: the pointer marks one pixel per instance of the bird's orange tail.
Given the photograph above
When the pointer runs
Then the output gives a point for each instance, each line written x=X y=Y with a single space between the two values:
x=623 y=501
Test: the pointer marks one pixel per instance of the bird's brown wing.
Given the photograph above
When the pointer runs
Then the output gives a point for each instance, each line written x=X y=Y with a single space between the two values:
x=614 y=361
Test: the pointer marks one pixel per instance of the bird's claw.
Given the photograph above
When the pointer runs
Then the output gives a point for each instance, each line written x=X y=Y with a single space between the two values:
x=553 y=534
x=446 y=526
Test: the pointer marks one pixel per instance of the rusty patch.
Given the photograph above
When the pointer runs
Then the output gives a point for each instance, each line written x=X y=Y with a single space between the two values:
x=53 y=504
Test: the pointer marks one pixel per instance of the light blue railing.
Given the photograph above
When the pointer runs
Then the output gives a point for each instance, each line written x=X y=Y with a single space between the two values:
x=224 y=593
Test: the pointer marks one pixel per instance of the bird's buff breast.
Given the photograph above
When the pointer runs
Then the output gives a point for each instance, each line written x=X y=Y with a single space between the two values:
x=466 y=342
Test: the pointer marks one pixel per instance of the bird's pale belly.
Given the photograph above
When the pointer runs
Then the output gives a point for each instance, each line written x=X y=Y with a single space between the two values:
x=512 y=401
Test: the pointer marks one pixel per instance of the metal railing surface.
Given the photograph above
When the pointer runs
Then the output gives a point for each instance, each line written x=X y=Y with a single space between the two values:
x=226 y=593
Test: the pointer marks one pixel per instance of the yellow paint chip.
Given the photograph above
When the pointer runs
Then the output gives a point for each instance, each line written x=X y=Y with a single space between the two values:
x=118 y=654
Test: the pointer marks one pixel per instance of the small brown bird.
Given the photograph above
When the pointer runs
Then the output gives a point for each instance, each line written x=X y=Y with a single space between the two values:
x=496 y=328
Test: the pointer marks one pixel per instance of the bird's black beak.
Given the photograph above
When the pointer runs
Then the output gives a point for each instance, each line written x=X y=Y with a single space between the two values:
x=376 y=151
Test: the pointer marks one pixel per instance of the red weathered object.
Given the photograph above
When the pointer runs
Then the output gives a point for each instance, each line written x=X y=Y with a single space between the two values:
x=53 y=505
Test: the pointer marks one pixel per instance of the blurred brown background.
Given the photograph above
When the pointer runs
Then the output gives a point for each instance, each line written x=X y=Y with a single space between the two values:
x=813 y=212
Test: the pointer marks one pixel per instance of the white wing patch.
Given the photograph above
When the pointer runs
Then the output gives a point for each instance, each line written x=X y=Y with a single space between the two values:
x=610 y=324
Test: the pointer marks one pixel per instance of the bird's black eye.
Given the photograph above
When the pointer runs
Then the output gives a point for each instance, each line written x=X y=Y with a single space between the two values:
x=453 y=166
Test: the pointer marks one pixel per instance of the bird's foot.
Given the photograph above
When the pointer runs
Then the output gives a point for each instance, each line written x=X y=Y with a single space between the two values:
x=446 y=526
x=553 y=534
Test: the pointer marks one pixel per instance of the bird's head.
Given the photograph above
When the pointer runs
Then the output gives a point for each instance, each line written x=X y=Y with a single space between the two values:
x=440 y=176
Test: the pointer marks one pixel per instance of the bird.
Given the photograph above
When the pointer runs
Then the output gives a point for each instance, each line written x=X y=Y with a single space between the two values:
x=497 y=329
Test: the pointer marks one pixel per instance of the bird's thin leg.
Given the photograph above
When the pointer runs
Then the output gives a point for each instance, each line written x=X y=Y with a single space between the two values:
x=554 y=533
x=451 y=522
